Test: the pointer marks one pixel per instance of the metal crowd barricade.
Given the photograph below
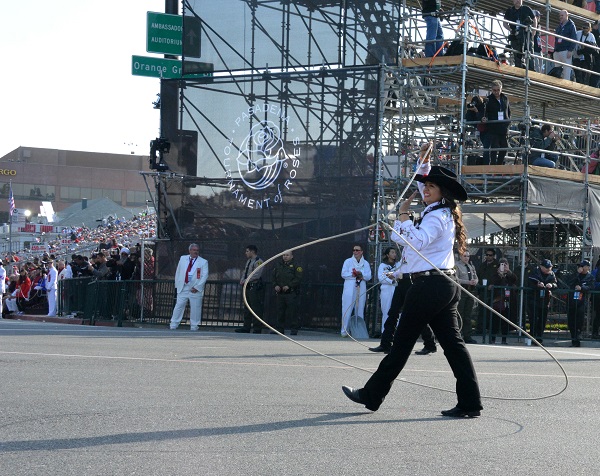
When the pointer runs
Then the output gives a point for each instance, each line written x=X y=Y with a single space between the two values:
x=124 y=303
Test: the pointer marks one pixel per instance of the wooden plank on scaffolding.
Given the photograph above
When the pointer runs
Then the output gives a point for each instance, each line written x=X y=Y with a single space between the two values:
x=512 y=170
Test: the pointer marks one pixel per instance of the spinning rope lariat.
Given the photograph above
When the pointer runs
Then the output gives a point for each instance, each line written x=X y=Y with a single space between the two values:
x=383 y=223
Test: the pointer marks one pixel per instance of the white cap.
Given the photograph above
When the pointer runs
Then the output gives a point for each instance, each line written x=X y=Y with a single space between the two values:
x=124 y=250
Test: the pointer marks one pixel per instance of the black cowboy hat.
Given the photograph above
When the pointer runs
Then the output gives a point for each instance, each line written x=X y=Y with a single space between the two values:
x=444 y=178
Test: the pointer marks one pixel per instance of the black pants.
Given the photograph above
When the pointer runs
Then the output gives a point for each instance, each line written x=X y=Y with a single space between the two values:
x=575 y=318
x=465 y=309
x=430 y=300
x=520 y=45
x=254 y=296
x=389 y=328
x=491 y=140
x=286 y=311
x=540 y=315
x=582 y=77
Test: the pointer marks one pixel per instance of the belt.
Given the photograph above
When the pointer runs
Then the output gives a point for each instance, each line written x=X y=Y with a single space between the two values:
x=432 y=272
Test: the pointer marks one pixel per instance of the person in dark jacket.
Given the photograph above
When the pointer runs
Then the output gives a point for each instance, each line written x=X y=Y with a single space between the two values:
x=563 y=48
x=542 y=138
x=520 y=16
x=542 y=282
x=476 y=109
x=287 y=277
x=497 y=121
x=580 y=283
x=503 y=301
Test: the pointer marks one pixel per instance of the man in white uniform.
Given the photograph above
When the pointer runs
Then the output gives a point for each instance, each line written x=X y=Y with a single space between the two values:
x=356 y=272
x=190 y=278
x=51 y=288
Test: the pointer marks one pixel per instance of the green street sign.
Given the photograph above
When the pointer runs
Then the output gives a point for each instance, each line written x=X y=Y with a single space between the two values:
x=155 y=67
x=164 y=34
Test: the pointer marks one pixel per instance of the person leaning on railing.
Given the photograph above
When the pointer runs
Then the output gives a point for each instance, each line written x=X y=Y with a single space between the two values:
x=544 y=138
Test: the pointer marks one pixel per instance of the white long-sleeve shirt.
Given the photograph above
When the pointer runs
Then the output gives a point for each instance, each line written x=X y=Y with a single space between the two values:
x=351 y=264
x=434 y=237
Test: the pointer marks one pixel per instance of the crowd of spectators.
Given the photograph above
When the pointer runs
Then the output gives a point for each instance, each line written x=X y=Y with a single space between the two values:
x=111 y=251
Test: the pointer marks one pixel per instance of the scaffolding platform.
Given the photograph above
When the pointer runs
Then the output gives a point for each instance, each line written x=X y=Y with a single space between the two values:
x=548 y=97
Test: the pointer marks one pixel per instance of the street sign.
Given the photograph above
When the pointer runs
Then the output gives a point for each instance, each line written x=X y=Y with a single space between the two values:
x=155 y=67
x=164 y=33
x=173 y=34
x=191 y=40
x=198 y=69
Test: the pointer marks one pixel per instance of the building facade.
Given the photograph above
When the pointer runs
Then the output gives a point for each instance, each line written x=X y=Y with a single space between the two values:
x=64 y=177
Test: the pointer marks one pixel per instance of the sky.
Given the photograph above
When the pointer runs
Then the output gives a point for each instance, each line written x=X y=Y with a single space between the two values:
x=66 y=76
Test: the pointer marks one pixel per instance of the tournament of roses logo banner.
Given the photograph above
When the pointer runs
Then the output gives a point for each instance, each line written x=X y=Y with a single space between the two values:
x=260 y=166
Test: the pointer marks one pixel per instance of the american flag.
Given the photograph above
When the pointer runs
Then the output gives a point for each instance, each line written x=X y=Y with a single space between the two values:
x=11 y=200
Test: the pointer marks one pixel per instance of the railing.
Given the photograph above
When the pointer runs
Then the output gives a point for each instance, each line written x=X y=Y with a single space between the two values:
x=491 y=327
x=319 y=306
x=222 y=306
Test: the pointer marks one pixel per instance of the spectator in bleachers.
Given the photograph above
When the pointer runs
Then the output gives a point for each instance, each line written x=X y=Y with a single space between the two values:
x=146 y=301
x=497 y=121
x=595 y=78
x=81 y=267
x=563 y=48
x=434 y=35
x=64 y=271
x=10 y=300
x=537 y=44
x=584 y=57
x=542 y=138
x=125 y=266
x=99 y=269
x=521 y=17
x=23 y=289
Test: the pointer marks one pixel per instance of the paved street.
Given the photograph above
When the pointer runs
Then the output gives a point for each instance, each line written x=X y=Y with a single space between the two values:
x=80 y=400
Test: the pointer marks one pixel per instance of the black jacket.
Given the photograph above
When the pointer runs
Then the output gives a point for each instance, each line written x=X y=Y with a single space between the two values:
x=493 y=108
x=431 y=6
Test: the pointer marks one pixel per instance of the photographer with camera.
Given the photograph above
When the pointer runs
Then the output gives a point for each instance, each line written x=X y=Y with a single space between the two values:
x=542 y=138
x=99 y=269
x=112 y=263
x=585 y=55
x=476 y=110
x=519 y=39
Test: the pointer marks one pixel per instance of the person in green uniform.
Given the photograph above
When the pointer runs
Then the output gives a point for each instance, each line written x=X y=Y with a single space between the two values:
x=287 y=277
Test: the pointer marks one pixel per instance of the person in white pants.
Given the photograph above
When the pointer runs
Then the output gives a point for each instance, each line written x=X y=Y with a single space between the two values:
x=388 y=285
x=190 y=278
x=51 y=288
x=356 y=272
